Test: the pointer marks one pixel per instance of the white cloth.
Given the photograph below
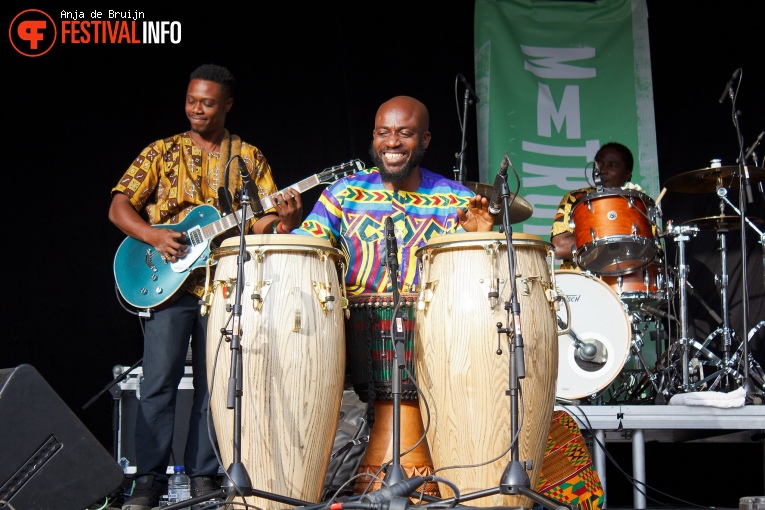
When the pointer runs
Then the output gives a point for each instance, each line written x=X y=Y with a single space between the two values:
x=735 y=398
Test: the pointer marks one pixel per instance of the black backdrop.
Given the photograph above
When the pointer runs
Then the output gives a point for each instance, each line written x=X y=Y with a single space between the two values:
x=311 y=77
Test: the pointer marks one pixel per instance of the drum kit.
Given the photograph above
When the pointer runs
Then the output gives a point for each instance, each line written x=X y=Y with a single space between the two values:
x=299 y=327
x=627 y=288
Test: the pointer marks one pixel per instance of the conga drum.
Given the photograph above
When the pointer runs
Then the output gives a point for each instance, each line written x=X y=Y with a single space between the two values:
x=462 y=373
x=371 y=359
x=293 y=360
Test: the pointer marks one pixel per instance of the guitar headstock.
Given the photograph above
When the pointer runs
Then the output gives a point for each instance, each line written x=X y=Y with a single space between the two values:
x=332 y=174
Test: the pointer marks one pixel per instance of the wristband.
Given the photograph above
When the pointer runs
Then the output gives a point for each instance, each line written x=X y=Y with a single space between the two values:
x=276 y=226
x=280 y=229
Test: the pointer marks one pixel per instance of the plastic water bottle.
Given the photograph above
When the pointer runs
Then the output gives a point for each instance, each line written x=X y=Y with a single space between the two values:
x=178 y=486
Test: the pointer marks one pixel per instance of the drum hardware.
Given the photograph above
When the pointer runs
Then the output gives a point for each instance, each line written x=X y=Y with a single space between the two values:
x=681 y=236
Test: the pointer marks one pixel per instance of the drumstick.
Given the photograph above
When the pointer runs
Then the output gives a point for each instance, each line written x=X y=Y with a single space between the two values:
x=661 y=195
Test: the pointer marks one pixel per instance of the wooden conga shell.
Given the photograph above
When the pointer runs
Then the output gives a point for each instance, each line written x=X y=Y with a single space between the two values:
x=293 y=360
x=461 y=375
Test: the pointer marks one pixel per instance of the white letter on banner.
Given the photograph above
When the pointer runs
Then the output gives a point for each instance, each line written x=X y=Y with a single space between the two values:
x=569 y=111
x=564 y=178
x=548 y=64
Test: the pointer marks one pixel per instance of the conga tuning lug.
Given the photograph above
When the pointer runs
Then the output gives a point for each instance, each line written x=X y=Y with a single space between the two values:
x=491 y=287
x=426 y=295
x=324 y=295
x=258 y=296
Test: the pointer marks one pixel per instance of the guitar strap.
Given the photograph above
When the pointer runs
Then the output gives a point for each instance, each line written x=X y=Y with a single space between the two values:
x=229 y=148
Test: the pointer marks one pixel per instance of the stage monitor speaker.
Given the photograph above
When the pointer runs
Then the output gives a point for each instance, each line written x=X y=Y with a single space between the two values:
x=49 y=458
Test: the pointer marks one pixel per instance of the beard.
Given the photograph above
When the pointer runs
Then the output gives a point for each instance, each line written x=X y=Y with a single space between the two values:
x=416 y=157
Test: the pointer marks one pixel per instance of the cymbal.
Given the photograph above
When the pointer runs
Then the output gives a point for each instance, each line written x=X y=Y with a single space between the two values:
x=721 y=222
x=706 y=180
x=520 y=209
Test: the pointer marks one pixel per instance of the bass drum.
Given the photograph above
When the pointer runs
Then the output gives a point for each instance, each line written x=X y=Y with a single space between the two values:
x=595 y=350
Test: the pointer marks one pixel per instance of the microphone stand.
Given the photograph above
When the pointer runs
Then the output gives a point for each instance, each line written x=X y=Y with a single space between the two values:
x=515 y=479
x=395 y=472
x=116 y=391
x=743 y=185
x=459 y=169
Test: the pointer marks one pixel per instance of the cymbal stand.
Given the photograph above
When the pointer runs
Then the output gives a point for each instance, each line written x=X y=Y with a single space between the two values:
x=680 y=234
x=749 y=222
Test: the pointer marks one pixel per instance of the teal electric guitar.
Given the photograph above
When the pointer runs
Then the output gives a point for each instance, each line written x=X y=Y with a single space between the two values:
x=144 y=280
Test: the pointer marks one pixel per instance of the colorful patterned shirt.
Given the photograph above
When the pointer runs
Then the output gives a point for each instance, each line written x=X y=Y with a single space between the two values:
x=172 y=176
x=351 y=215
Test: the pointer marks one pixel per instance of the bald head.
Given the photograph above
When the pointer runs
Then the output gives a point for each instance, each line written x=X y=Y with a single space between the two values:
x=408 y=110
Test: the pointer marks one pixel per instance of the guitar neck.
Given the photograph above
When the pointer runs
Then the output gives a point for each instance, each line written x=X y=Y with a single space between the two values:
x=230 y=221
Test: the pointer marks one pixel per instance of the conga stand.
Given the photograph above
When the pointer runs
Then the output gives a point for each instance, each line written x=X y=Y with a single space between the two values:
x=515 y=479
x=238 y=482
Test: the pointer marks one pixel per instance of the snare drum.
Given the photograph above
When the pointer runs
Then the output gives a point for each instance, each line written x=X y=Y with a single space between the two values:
x=596 y=349
x=614 y=231
x=464 y=285
x=292 y=355
x=371 y=359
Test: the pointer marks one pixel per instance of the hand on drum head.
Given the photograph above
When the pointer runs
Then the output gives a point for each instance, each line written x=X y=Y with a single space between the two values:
x=477 y=217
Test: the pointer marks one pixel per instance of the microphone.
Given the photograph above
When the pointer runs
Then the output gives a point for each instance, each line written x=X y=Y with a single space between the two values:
x=750 y=150
x=469 y=88
x=729 y=85
x=586 y=352
x=391 y=247
x=596 y=177
x=224 y=199
x=249 y=188
x=495 y=204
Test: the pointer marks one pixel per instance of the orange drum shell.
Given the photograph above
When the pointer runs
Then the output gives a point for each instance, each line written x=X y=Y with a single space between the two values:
x=463 y=379
x=598 y=217
x=647 y=282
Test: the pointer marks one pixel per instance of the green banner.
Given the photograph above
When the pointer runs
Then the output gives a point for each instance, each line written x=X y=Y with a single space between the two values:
x=557 y=79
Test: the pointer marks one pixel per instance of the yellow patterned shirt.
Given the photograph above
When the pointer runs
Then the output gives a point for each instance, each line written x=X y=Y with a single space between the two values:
x=172 y=176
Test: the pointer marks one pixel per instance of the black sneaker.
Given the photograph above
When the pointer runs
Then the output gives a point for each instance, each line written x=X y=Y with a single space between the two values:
x=145 y=495
x=201 y=485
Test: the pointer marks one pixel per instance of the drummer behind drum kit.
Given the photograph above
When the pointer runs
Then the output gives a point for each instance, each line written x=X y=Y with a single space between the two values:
x=627 y=288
